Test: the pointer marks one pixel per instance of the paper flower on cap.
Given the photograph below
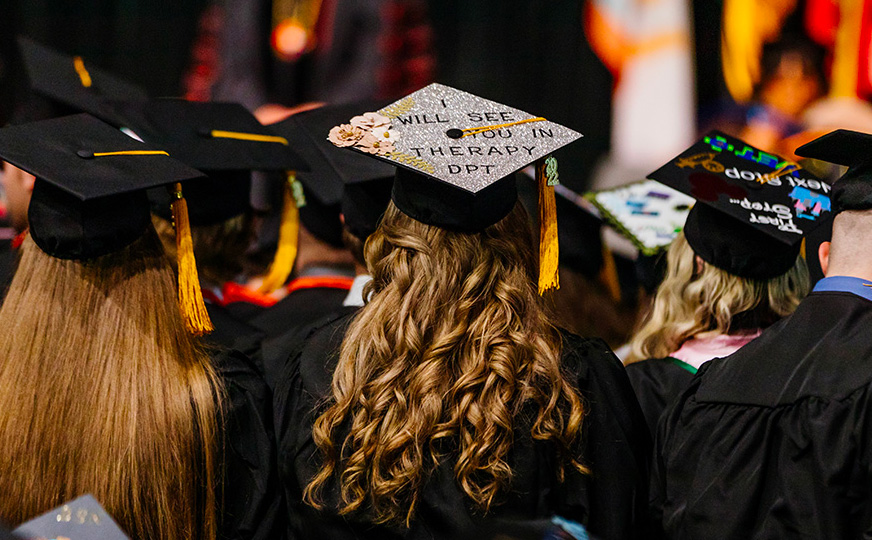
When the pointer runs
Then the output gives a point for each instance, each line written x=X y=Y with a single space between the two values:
x=345 y=135
x=370 y=121
x=374 y=145
x=369 y=132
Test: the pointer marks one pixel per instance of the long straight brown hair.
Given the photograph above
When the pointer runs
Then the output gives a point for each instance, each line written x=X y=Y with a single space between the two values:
x=453 y=345
x=102 y=391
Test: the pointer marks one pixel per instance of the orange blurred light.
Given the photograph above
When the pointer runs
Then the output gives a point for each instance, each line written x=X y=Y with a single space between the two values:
x=290 y=39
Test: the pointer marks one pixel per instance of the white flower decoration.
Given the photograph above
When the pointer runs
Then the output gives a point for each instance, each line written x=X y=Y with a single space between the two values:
x=386 y=134
x=370 y=121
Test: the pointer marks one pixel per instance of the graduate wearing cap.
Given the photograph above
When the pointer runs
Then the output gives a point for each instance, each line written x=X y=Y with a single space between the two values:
x=106 y=388
x=733 y=270
x=771 y=442
x=227 y=143
x=437 y=389
x=361 y=188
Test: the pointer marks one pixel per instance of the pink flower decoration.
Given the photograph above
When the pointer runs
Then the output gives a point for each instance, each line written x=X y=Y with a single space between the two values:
x=373 y=145
x=345 y=135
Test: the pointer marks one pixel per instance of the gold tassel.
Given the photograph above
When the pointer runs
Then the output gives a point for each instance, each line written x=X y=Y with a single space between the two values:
x=191 y=303
x=289 y=231
x=609 y=274
x=549 y=254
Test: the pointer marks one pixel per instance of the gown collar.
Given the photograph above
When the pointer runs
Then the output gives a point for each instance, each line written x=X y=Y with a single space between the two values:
x=860 y=287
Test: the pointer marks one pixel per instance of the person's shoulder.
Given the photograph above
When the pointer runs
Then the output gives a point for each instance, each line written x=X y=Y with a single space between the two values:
x=589 y=357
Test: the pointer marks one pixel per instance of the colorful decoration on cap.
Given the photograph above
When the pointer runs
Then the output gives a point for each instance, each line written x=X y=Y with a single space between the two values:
x=648 y=213
x=774 y=195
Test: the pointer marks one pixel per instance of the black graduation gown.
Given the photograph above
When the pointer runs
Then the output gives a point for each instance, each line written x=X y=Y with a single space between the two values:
x=232 y=333
x=774 y=440
x=658 y=382
x=253 y=508
x=615 y=445
x=283 y=323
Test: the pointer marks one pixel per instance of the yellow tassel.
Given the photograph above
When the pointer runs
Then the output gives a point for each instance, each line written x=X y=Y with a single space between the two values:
x=802 y=248
x=609 y=274
x=191 y=303
x=289 y=231
x=549 y=254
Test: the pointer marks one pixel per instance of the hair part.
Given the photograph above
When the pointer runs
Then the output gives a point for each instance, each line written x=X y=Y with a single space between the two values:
x=451 y=347
x=104 y=392
x=712 y=301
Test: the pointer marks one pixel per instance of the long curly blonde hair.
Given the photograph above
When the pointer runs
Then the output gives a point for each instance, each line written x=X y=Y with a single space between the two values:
x=452 y=346
x=712 y=301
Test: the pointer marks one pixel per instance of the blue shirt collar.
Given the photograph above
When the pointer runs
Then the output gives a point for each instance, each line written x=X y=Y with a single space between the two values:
x=860 y=287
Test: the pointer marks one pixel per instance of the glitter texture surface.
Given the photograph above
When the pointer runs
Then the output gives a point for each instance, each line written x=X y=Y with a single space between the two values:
x=473 y=162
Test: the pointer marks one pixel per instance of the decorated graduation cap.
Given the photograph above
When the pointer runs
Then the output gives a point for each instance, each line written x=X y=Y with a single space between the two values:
x=89 y=196
x=359 y=185
x=755 y=207
x=227 y=142
x=75 y=83
x=853 y=149
x=82 y=518
x=455 y=155
x=648 y=213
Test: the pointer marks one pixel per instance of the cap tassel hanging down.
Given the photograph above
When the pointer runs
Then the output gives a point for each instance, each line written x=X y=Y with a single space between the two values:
x=191 y=303
x=289 y=230
x=549 y=255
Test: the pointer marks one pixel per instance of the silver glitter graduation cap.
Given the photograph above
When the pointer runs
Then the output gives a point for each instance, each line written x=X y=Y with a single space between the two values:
x=454 y=136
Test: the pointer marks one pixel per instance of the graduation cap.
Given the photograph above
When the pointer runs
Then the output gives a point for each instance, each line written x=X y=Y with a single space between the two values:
x=223 y=140
x=853 y=191
x=227 y=142
x=73 y=82
x=89 y=196
x=455 y=154
x=80 y=519
x=359 y=185
x=755 y=208
x=648 y=213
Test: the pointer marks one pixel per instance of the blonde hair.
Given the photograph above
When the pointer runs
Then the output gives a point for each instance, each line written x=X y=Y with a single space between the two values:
x=450 y=349
x=104 y=392
x=694 y=304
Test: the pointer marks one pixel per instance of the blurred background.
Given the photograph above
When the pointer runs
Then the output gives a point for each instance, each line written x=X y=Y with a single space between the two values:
x=640 y=78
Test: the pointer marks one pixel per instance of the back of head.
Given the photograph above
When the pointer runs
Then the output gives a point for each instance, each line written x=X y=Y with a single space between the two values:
x=698 y=298
x=106 y=393
x=851 y=247
x=451 y=346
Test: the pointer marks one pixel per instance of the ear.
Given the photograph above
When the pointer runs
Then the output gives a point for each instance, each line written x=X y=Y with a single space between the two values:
x=700 y=264
x=342 y=218
x=824 y=256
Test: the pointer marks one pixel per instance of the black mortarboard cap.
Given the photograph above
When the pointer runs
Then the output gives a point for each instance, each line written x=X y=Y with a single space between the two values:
x=755 y=206
x=82 y=518
x=89 y=196
x=72 y=81
x=361 y=186
x=223 y=140
x=853 y=191
x=454 y=152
